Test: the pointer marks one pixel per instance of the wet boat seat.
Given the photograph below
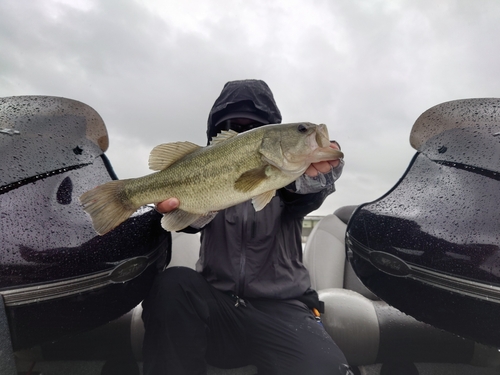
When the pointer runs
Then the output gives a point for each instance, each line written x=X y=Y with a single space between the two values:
x=368 y=330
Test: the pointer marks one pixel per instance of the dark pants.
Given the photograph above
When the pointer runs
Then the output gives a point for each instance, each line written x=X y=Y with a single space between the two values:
x=189 y=323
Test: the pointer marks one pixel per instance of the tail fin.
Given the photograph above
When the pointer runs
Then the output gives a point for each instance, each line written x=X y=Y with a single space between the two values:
x=105 y=207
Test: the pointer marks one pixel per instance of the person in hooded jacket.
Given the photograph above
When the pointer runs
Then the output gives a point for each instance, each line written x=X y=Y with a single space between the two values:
x=249 y=301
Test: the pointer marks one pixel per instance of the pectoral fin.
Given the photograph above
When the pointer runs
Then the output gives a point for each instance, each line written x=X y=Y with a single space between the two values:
x=260 y=201
x=251 y=179
x=164 y=155
x=178 y=219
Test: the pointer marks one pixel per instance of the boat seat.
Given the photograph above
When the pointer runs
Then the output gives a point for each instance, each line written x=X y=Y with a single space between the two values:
x=368 y=330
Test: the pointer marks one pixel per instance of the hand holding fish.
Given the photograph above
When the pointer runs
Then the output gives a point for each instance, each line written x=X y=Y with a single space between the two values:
x=168 y=205
x=324 y=166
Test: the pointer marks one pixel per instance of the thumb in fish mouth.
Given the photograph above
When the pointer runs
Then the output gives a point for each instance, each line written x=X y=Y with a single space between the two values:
x=335 y=143
x=326 y=166
x=321 y=167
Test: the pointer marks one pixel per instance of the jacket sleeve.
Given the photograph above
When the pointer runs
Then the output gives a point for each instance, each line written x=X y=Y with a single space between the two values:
x=306 y=184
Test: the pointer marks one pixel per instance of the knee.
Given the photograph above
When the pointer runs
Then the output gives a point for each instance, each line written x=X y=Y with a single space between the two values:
x=325 y=359
x=174 y=292
x=175 y=276
x=331 y=361
x=172 y=281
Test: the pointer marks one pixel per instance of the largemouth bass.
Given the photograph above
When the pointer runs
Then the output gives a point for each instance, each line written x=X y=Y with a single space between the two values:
x=234 y=168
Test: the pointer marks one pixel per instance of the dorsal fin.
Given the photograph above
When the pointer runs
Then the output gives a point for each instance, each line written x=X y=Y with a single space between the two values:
x=223 y=136
x=164 y=155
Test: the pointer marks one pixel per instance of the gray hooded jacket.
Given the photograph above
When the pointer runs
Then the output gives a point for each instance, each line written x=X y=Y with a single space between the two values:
x=259 y=254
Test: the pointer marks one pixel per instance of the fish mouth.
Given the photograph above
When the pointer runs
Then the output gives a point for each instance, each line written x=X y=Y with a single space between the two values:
x=322 y=138
x=324 y=151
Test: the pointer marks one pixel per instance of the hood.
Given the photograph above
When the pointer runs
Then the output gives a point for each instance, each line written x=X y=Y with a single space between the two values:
x=249 y=95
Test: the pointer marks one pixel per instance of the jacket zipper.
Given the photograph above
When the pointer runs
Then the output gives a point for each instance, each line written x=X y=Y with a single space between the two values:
x=241 y=278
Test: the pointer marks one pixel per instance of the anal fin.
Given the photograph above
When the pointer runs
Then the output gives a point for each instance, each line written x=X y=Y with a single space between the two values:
x=261 y=200
x=178 y=219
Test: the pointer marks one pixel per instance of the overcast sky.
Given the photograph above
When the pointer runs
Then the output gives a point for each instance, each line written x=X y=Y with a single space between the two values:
x=153 y=68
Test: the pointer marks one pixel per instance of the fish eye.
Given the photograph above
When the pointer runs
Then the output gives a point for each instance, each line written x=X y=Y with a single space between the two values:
x=302 y=128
